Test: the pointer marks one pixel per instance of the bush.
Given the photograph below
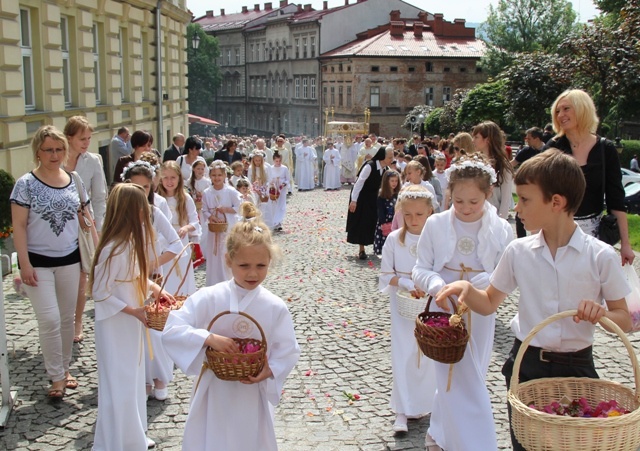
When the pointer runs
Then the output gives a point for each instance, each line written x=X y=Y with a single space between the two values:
x=6 y=186
x=631 y=148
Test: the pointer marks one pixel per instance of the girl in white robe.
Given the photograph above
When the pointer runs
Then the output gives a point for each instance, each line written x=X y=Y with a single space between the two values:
x=159 y=369
x=196 y=185
x=218 y=201
x=258 y=175
x=233 y=415
x=464 y=242
x=414 y=384
x=279 y=178
x=331 y=177
x=184 y=219
x=119 y=287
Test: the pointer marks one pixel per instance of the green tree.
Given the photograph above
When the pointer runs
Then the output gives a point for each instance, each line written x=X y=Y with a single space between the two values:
x=485 y=102
x=449 y=117
x=532 y=84
x=432 y=122
x=204 y=75
x=415 y=113
x=517 y=26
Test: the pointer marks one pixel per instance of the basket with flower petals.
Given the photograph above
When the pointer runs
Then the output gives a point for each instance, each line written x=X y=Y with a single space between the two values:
x=218 y=222
x=442 y=336
x=237 y=366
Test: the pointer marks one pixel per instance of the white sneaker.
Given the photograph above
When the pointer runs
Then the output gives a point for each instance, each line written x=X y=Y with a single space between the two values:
x=161 y=393
x=150 y=443
x=401 y=423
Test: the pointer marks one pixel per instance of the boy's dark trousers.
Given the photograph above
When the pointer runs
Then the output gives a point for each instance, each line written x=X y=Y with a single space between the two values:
x=537 y=363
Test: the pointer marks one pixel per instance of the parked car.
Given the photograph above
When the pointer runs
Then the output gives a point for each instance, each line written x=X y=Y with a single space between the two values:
x=632 y=198
x=628 y=176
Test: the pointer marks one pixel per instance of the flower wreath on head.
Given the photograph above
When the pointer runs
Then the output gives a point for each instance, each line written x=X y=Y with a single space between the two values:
x=415 y=194
x=218 y=164
x=258 y=153
x=472 y=162
x=133 y=164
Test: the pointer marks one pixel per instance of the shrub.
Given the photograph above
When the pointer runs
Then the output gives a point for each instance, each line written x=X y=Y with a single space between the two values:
x=6 y=186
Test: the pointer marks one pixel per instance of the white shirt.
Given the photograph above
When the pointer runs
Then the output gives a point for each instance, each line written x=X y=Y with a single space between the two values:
x=586 y=268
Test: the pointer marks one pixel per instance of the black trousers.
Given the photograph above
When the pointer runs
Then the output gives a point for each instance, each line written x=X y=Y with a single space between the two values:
x=578 y=364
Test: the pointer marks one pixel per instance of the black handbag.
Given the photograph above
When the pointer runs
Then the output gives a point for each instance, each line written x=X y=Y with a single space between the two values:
x=608 y=230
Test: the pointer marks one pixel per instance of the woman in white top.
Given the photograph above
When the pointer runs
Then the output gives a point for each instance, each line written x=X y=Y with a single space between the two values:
x=89 y=167
x=189 y=156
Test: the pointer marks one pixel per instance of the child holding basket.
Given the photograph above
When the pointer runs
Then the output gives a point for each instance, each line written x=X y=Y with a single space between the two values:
x=234 y=415
x=557 y=268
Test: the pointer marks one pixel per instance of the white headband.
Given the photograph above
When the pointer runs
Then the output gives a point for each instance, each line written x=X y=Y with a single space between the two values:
x=417 y=194
x=472 y=162
x=218 y=164
x=134 y=164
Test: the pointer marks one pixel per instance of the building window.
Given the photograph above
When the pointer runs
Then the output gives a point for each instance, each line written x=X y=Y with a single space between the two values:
x=296 y=92
x=26 y=47
x=264 y=51
x=340 y=96
x=304 y=47
x=297 y=46
x=375 y=68
x=238 y=120
x=348 y=96
x=237 y=56
x=238 y=90
x=228 y=83
x=478 y=70
x=428 y=66
x=273 y=88
x=264 y=86
x=284 y=50
x=393 y=68
x=251 y=52
x=66 y=62
x=305 y=88
x=411 y=69
x=447 y=69
x=324 y=95
x=252 y=92
x=428 y=94
x=229 y=57
x=374 y=97
x=333 y=95
x=313 y=46
x=96 y=64
x=463 y=69
x=446 y=94
x=313 y=87
x=286 y=88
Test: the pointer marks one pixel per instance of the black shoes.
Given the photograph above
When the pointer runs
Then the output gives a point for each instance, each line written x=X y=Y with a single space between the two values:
x=362 y=256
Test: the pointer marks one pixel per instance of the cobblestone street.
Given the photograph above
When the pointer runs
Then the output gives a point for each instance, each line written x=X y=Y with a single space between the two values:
x=342 y=323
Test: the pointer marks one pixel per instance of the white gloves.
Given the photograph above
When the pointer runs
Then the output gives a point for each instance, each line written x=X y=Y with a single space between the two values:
x=480 y=281
x=406 y=284
x=435 y=285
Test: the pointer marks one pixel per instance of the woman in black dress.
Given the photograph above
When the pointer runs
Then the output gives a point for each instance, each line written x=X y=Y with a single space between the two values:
x=575 y=122
x=363 y=201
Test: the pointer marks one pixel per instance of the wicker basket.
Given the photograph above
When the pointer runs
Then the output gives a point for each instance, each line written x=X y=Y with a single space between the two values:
x=442 y=344
x=264 y=198
x=219 y=225
x=237 y=366
x=408 y=306
x=274 y=196
x=539 y=431
x=156 y=318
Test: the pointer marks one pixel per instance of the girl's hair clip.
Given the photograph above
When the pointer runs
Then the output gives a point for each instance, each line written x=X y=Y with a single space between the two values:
x=133 y=164
x=258 y=229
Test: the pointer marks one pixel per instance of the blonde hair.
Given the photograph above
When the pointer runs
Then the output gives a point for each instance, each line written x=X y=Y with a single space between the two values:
x=463 y=140
x=44 y=132
x=497 y=152
x=77 y=124
x=586 y=115
x=250 y=231
x=421 y=194
x=415 y=165
x=254 y=170
x=180 y=194
x=129 y=232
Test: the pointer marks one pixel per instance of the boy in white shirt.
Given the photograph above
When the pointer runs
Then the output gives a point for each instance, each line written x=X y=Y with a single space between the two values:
x=558 y=268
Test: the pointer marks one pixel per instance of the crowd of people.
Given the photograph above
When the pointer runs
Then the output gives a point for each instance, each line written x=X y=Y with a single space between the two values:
x=436 y=210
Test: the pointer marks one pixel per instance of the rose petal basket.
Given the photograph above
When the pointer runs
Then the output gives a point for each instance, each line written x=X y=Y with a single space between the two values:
x=157 y=317
x=408 y=306
x=442 y=344
x=237 y=366
x=219 y=224
x=540 y=431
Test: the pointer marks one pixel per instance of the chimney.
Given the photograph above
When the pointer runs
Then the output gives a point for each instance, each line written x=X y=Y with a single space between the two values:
x=397 y=28
x=284 y=3
x=256 y=7
x=300 y=8
x=395 y=15
x=423 y=17
x=268 y=6
x=346 y=2
x=245 y=9
x=210 y=13
x=325 y=5
x=417 y=29
x=307 y=7
x=438 y=24
x=222 y=12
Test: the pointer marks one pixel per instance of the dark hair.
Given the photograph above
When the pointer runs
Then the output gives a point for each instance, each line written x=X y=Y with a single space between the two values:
x=497 y=151
x=140 y=138
x=229 y=144
x=427 y=175
x=276 y=154
x=535 y=132
x=191 y=143
x=385 y=190
x=554 y=172
x=122 y=130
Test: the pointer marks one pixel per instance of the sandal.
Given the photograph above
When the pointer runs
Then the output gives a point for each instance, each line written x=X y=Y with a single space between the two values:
x=56 y=394
x=72 y=383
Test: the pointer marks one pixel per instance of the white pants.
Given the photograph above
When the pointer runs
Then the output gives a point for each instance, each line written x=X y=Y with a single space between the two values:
x=54 y=301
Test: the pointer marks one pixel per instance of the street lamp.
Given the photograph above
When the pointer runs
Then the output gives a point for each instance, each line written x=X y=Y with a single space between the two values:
x=421 y=119
x=195 y=41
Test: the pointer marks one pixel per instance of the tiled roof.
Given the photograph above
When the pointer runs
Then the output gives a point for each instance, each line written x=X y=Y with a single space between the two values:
x=230 y=21
x=429 y=45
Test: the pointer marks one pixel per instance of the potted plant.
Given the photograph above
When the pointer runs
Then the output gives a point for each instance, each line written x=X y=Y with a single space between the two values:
x=6 y=243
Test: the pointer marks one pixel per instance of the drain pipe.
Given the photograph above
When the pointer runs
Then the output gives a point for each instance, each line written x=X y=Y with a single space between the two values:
x=159 y=94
